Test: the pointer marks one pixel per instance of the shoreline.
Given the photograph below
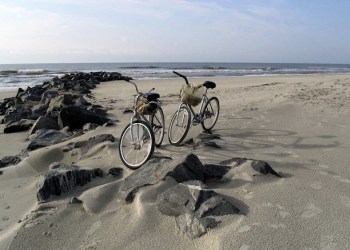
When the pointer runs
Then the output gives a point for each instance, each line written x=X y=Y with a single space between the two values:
x=297 y=124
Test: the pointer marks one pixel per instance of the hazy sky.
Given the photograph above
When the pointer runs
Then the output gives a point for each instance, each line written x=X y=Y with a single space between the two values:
x=314 y=31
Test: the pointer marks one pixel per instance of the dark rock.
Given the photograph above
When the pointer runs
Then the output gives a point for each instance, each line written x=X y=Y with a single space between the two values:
x=190 y=168
x=15 y=114
x=86 y=145
x=46 y=137
x=192 y=203
x=264 y=168
x=259 y=166
x=115 y=172
x=44 y=122
x=211 y=144
x=155 y=170
x=48 y=95
x=81 y=102
x=9 y=160
x=63 y=179
x=18 y=126
x=212 y=171
x=76 y=117
x=1 y=172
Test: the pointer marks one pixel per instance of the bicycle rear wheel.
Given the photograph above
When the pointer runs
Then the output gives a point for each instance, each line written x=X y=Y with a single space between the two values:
x=136 y=144
x=179 y=125
x=158 y=126
x=211 y=113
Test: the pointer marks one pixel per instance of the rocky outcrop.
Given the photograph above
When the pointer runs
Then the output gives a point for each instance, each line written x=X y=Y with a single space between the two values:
x=52 y=96
x=62 y=178
x=75 y=117
x=195 y=207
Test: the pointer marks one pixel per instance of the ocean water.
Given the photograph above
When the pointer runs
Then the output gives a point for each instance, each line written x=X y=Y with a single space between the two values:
x=13 y=76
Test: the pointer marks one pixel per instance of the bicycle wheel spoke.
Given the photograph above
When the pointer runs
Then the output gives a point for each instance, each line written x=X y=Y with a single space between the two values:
x=136 y=144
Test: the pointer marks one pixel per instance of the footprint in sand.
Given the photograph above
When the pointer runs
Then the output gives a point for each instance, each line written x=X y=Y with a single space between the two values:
x=310 y=211
x=345 y=200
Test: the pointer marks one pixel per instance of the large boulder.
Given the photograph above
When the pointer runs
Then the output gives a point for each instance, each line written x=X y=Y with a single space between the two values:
x=62 y=178
x=185 y=169
x=195 y=207
x=75 y=117
x=44 y=122
x=18 y=126
x=46 y=137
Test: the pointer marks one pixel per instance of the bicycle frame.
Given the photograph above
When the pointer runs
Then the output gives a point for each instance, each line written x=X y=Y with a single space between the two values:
x=197 y=117
x=136 y=116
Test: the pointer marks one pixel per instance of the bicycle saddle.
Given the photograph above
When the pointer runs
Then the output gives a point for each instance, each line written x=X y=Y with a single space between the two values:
x=152 y=96
x=209 y=84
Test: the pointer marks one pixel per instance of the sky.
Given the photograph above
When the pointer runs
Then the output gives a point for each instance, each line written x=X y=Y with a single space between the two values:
x=270 y=31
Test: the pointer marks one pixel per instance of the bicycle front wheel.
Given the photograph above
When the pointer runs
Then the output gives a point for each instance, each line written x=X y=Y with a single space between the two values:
x=158 y=126
x=136 y=144
x=179 y=125
x=211 y=114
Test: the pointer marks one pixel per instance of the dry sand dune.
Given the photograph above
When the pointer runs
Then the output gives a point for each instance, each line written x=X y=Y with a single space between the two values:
x=298 y=124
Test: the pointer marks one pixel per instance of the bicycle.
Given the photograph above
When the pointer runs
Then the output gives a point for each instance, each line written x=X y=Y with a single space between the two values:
x=185 y=116
x=145 y=130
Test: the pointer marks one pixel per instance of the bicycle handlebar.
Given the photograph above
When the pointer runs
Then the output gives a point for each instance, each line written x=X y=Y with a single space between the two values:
x=137 y=90
x=184 y=77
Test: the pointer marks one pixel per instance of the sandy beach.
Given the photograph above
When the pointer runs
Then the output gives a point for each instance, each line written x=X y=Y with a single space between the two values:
x=298 y=124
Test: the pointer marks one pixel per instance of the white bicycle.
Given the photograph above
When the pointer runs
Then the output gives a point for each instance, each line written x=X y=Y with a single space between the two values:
x=145 y=130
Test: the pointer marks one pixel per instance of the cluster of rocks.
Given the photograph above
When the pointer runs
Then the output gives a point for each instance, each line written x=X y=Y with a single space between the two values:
x=46 y=109
x=195 y=207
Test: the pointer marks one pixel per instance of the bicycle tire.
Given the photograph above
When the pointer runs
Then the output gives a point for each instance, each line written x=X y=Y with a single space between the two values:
x=130 y=153
x=211 y=109
x=157 y=122
x=182 y=115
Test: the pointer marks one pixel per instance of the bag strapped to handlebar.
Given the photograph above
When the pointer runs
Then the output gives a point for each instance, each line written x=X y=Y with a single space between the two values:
x=191 y=94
